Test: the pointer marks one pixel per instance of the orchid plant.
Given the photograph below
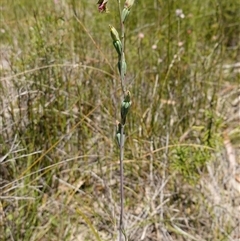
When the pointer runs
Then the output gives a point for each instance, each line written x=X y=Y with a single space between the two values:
x=118 y=43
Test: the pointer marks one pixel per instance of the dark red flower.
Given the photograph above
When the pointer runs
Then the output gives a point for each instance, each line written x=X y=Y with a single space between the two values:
x=102 y=6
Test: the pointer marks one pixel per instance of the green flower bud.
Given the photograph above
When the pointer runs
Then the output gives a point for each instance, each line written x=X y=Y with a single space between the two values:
x=122 y=68
x=127 y=97
x=129 y=4
x=114 y=33
x=125 y=107
x=125 y=13
x=118 y=46
x=118 y=134
x=116 y=40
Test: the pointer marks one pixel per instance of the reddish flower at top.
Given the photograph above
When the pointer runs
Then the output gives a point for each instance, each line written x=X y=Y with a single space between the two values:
x=102 y=6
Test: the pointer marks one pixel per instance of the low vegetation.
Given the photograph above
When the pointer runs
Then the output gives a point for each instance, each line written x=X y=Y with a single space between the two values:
x=60 y=96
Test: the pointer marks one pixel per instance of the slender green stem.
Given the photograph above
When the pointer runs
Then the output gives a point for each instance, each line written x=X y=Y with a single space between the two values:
x=123 y=59
x=122 y=76
x=124 y=109
x=122 y=79
x=121 y=221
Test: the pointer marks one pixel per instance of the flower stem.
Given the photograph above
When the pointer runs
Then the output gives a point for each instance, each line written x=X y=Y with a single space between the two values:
x=122 y=80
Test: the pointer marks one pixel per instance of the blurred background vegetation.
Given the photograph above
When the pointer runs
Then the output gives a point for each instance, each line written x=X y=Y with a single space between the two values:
x=60 y=97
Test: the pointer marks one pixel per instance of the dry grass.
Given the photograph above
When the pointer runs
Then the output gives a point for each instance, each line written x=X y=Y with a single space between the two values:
x=59 y=98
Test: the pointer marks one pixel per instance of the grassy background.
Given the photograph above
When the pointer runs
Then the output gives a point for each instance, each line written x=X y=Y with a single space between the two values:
x=60 y=96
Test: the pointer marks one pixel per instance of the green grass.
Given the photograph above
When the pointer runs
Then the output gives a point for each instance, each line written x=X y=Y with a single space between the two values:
x=60 y=96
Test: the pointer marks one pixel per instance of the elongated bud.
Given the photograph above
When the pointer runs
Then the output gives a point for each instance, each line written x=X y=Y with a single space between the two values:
x=127 y=97
x=114 y=33
x=116 y=40
x=125 y=107
x=122 y=67
x=125 y=13
x=118 y=46
x=126 y=10
x=129 y=3
x=118 y=134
